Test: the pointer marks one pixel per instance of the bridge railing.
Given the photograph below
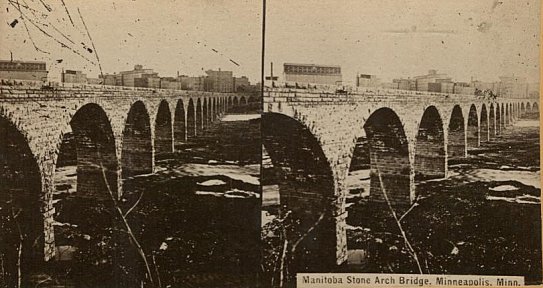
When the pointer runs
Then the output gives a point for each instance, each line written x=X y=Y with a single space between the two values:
x=324 y=93
x=17 y=89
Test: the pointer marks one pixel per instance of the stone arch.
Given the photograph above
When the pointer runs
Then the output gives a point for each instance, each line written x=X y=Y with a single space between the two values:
x=179 y=123
x=528 y=107
x=430 y=157
x=191 y=120
x=95 y=148
x=456 y=146
x=535 y=107
x=242 y=100
x=137 y=147
x=306 y=188
x=388 y=144
x=163 y=129
x=522 y=109
x=492 y=129
x=199 y=118
x=235 y=101
x=20 y=194
x=472 y=133
x=484 y=131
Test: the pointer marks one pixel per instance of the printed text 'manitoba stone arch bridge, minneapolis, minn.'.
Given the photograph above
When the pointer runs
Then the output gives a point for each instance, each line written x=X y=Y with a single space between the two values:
x=117 y=131
x=311 y=136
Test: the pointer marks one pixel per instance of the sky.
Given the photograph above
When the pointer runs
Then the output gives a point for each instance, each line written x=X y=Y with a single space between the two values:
x=165 y=35
x=483 y=39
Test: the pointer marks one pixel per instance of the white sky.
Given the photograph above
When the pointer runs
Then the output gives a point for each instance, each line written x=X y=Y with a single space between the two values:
x=400 y=38
x=164 y=35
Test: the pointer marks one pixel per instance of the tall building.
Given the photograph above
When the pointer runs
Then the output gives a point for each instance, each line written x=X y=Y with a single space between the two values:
x=405 y=84
x=219 y=81
x=431 y=77
x=147 y=80
x=366 y=80
x=241 y=84
x=196 y=83
x=127 y=77
x=23 y=70
x=313 y=74
x=513 y=87
x=73 y=76
x=170 y=83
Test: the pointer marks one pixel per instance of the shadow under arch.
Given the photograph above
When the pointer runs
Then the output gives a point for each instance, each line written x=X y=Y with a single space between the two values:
x=388 y=144
x=199 y=117
x=472 y=133
x=20 y=216
x=484 y=132
x=430 y=158
x=306 y=188
x=456 y=145
x=95 y=147
x=191 y=120
x=137 y=148
x=163 y=129
x=179 y=124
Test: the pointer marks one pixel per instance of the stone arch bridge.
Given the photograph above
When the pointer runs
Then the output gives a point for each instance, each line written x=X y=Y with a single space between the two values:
x=313 y=137
x=118 y=130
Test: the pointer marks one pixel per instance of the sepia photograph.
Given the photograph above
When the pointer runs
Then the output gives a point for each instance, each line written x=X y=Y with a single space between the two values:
x=401 y=137
x=130 y=143
x=270 y=143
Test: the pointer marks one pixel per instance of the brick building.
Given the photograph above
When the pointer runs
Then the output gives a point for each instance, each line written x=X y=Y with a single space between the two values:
x=23 y=70
x=311 y=73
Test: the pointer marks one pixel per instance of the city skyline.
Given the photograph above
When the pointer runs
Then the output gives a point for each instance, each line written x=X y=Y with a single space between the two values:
x=479 y=39
x=176 y=37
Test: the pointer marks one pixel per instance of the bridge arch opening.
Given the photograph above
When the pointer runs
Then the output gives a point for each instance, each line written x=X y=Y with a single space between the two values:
x=229 y=104
x=242 y=100
x=511 y=113
x=179 y=124
x=191 y=120
x=492 y=122
x=137 y=148
x=306 y=190
x=215 y=113
x=506 y=116
x=472 y=135
x=20 y=193
x=95 y=148
x=163 y=129
x=535 y=107
x=430 y=161
x=205 y=116
x=502 y=116
x=456 y=147
x=522 y=109
x=209 y=111
x=498 y=119
x=484 y=132
x=528 y=107
x=199 y=118
x=388 y=144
